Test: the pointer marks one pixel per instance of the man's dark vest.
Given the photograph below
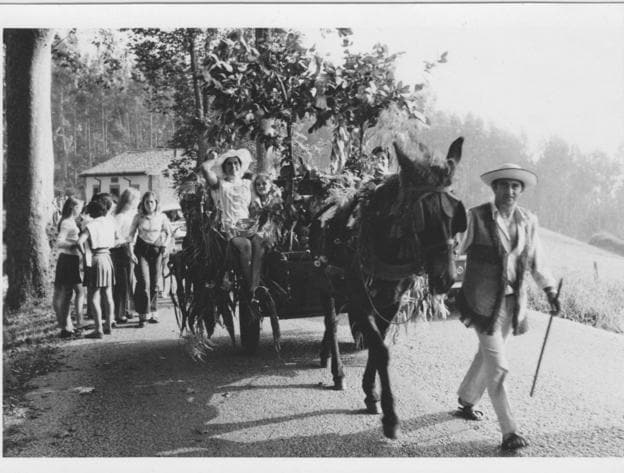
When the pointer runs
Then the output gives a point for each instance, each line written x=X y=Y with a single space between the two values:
x=483 y=290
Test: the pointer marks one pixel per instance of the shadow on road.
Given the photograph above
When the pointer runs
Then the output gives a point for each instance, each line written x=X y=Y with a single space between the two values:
x=149 y=394
x=151 y=399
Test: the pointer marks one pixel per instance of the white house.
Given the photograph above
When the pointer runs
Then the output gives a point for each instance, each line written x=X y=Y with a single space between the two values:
x=142 y=170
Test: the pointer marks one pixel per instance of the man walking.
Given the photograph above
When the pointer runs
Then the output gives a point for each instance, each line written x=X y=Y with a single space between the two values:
x=502 y=247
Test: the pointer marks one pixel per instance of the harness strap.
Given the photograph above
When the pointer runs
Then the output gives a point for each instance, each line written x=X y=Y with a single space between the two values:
x=390 y=272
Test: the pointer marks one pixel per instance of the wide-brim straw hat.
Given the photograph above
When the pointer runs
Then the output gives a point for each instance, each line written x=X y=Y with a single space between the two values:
x=510 y=171
x=242 y=154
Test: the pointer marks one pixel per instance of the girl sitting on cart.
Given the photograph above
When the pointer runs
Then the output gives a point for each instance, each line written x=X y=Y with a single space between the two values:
x=266 y=203
x=232 y=195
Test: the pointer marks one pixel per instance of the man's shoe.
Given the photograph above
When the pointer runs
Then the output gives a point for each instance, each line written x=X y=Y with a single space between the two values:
x=67 y=333
x=153 y=319
x=468 y=412
x=121 y=320
x=514 y=441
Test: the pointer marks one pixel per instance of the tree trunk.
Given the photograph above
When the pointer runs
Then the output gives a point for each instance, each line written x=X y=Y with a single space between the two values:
x=361 y=138
x=65 y=158
x=30 y=163
x=261 y=36
x=200 y=106
x=340 y=148
x=89 y=145
x=151 y=131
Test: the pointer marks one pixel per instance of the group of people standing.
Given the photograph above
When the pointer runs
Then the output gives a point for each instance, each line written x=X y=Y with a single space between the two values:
x=116 y=250
x=105 y=248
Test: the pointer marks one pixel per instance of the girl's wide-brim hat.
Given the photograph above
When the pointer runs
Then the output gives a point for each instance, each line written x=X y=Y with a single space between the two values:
x=510 y=171
x=242 y=154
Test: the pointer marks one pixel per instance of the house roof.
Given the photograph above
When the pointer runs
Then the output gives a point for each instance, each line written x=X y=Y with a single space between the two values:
x=147 y=162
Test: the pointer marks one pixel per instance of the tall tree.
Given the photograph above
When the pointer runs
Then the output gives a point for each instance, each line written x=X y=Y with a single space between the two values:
x=28 y=192
x=353 y=95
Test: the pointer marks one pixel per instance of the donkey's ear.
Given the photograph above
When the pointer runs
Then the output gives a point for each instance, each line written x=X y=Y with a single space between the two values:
x=454 y=154
x=404 y=161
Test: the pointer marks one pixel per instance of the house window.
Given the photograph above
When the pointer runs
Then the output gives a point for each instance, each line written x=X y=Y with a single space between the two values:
x=114 y=190
x=96 y=190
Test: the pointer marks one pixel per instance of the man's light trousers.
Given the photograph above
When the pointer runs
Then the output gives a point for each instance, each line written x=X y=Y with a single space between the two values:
x=489 y=369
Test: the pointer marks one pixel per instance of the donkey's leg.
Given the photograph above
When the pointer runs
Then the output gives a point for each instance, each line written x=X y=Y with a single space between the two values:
x=368 y=385
x=329 y=306
x=380 y=358
x=325 y=348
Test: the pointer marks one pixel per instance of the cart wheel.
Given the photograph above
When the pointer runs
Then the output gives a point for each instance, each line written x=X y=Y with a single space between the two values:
x=249 y=328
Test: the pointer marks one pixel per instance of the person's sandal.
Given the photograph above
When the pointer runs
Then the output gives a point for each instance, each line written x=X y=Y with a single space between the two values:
x=514 y=441
x=469 y=413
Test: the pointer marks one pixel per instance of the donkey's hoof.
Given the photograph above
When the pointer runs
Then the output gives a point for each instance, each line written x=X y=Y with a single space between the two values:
x=339 y=384
x=372 y=408
x=390 y=428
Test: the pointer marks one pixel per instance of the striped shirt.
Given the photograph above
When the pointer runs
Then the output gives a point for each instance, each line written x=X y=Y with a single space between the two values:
x=154 y=229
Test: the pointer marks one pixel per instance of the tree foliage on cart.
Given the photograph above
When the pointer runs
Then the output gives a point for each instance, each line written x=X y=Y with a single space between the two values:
x=234 y=87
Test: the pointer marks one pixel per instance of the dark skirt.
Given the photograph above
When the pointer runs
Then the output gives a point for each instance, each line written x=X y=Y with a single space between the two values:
x=67 y=270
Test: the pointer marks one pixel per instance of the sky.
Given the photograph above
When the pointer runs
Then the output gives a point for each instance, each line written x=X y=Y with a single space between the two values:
x=538 y=70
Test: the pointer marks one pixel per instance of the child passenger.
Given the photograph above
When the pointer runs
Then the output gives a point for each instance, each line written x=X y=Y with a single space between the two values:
x=232 y=196
x=266 y=201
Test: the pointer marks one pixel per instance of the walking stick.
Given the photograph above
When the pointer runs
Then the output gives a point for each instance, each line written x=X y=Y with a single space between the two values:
x=539 y=362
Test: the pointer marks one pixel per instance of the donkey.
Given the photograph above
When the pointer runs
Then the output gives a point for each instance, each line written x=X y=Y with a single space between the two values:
x=405 y=228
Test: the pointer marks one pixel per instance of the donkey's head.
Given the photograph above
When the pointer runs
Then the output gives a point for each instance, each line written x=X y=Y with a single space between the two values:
x=436 y=215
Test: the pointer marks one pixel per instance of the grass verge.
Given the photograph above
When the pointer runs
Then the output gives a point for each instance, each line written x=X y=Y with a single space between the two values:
x=588 y=300
x=29 y=349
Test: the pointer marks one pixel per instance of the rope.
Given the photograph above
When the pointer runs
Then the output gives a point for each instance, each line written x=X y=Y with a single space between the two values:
x=372 y=304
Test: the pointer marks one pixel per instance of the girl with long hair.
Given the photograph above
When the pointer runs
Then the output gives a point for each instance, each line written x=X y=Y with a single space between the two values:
x=122 y=256
x=67 y=280
x=153 y=231
x=266 y=202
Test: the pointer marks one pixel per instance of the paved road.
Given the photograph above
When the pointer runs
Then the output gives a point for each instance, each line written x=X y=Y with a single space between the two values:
x=151 y=399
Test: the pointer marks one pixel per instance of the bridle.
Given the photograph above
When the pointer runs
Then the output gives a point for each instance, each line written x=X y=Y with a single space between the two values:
x=399 y=272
